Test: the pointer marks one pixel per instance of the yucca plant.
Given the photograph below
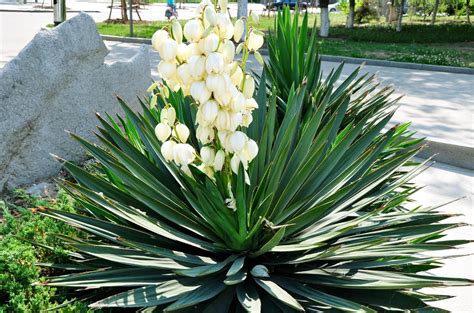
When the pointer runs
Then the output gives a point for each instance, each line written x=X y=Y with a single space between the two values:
x=322 y=224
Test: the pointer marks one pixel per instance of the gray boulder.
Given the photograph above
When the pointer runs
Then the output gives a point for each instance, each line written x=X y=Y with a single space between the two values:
x=56 y=83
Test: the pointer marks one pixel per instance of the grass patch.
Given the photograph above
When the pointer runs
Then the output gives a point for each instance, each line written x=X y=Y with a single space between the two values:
x=19 y=228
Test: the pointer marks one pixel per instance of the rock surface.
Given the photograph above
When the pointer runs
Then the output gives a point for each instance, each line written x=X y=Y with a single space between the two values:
x=56 y=83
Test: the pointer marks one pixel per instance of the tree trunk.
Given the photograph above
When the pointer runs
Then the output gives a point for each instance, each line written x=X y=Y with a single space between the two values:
x=350 y=17
x=123 y=9
x=467 y=12
x=324 y=17
x=435 y=12
x=242 y=8
x=400 y=16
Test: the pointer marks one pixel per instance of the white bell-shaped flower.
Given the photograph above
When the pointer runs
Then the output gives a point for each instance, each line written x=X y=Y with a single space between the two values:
x=207 y=155
x=197 y=66
x=168 y=50
x=222 y=120
x=219 y=160
x=184 y=74
x=209 y=111
x=171 y=115
x=167 y=70
x=167 y=149
x=194 y=49
x=238 y=103
x=238 y=140
x=184 y=52
x=183 y=154
x=214 y=82
x=215 y=63
x=204 y=134
x=182 y=132
x=225 y=29
x=250 y=150
x=235 y=120
x=255 y=41
x=162 y=132
x=210 y=43
x=223 y=97
x=200 y=92
x=193 y=30
x=158 y=38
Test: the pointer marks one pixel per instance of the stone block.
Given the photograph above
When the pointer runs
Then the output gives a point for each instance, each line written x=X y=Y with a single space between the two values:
x=56 y=83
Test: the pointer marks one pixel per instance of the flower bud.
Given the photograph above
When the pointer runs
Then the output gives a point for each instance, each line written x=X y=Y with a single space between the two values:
x=210 y=15
x=259 y=58
x=210 y=43
x=182 y=132
x=249 y=87
x=177 y=31
x=167 y=69
x=183 y=154
x=209 y=111
x=219 y=160
x=255 y=17
x=239 y=30
x=228 y=51
x=255 y=41
x=207 y=155
x=162 y=132
x=193 y=30
x=238 y=140
x=215 y=63
x=199 y=92
x=234 y=163
x=159 y=38
x=167 y=149
x=223 y=5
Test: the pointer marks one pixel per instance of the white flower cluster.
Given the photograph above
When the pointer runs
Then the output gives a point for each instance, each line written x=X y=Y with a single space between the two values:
x=204 y=68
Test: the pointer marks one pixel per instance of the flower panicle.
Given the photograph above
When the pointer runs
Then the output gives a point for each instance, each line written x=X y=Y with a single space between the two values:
x=199 y=59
